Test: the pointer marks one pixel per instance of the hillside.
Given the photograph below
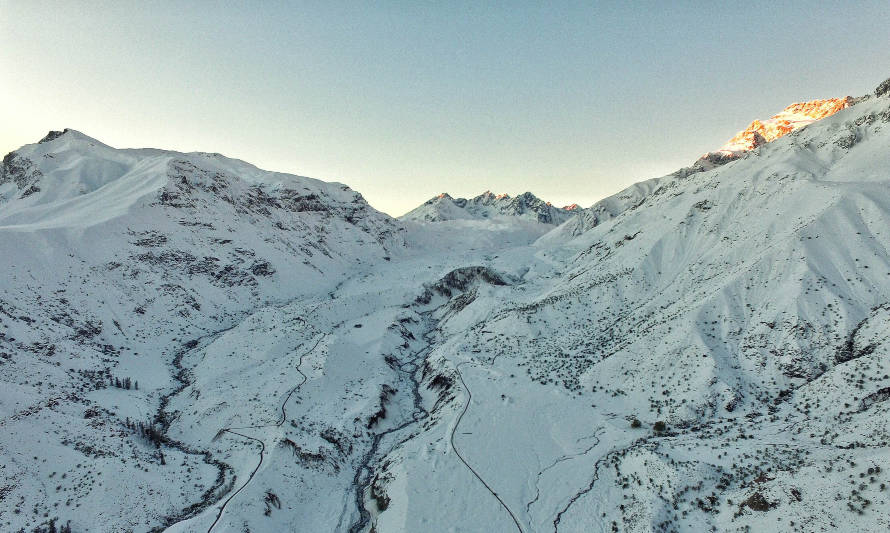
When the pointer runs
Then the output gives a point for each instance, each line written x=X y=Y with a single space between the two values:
x=705 y=351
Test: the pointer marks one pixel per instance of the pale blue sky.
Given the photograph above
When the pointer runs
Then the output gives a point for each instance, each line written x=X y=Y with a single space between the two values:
x=403 y=100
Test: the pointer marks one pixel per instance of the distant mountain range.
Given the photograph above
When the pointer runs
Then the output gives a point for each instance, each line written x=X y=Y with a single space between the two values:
x=529 y=207
x=487 y=205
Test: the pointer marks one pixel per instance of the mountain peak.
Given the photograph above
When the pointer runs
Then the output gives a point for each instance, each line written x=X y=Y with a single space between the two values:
x=795 y=116
x=737 y=316
x=68 y=134
x=53 y=135
x=489 y=205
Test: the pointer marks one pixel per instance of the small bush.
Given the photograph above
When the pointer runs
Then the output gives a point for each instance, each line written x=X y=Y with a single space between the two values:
x=757 y=503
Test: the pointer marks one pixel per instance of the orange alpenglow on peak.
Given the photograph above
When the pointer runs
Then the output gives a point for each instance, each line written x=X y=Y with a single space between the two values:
x=791 y=118
x=502 y=196
x=571 y=207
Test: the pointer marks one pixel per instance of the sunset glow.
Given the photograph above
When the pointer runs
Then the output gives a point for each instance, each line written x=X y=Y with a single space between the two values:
x=791 y=118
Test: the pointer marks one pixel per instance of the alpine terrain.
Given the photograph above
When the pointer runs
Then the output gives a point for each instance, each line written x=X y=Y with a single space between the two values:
x=191 y=344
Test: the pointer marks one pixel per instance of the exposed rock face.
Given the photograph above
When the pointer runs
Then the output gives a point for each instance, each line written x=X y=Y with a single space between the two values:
x=53 y=135
x=791 y=118
x=20 y=172
x=883 y=88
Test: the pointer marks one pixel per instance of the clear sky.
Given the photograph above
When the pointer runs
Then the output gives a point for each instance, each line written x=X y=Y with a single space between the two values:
x=404 y=100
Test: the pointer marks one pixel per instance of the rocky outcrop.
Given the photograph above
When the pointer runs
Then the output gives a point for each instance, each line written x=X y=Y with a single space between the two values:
x=883 y=88
x=52 y=135
x=21 y=172
x=795 y=116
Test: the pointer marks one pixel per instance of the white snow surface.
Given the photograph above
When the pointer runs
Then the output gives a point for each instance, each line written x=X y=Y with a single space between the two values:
x=306 y=363
x=489 y=206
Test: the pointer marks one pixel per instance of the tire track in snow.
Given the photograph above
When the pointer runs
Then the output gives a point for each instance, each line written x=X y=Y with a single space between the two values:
x=464 y=461
x=279 y=423
x=249 y=478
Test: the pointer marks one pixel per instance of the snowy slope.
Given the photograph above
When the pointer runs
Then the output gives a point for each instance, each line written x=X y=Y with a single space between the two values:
x=113 y=261
x=717 y=302
x=701 y=352
x=792 y=118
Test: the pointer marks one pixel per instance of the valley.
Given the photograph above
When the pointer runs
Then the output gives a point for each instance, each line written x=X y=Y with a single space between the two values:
x=190 y=343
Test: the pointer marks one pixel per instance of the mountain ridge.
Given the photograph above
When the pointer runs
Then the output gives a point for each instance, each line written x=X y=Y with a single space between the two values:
x=487 y=205
x=738 y=147
x=240 y=349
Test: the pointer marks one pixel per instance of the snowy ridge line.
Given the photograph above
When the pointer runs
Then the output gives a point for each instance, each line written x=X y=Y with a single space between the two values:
x=461 y=457
x=715 y=359
x=526 y=206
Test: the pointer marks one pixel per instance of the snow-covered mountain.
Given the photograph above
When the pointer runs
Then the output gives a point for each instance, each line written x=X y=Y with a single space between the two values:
x=793 y=117
x=114 y=261
x=706 y=351
x=487 y=205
